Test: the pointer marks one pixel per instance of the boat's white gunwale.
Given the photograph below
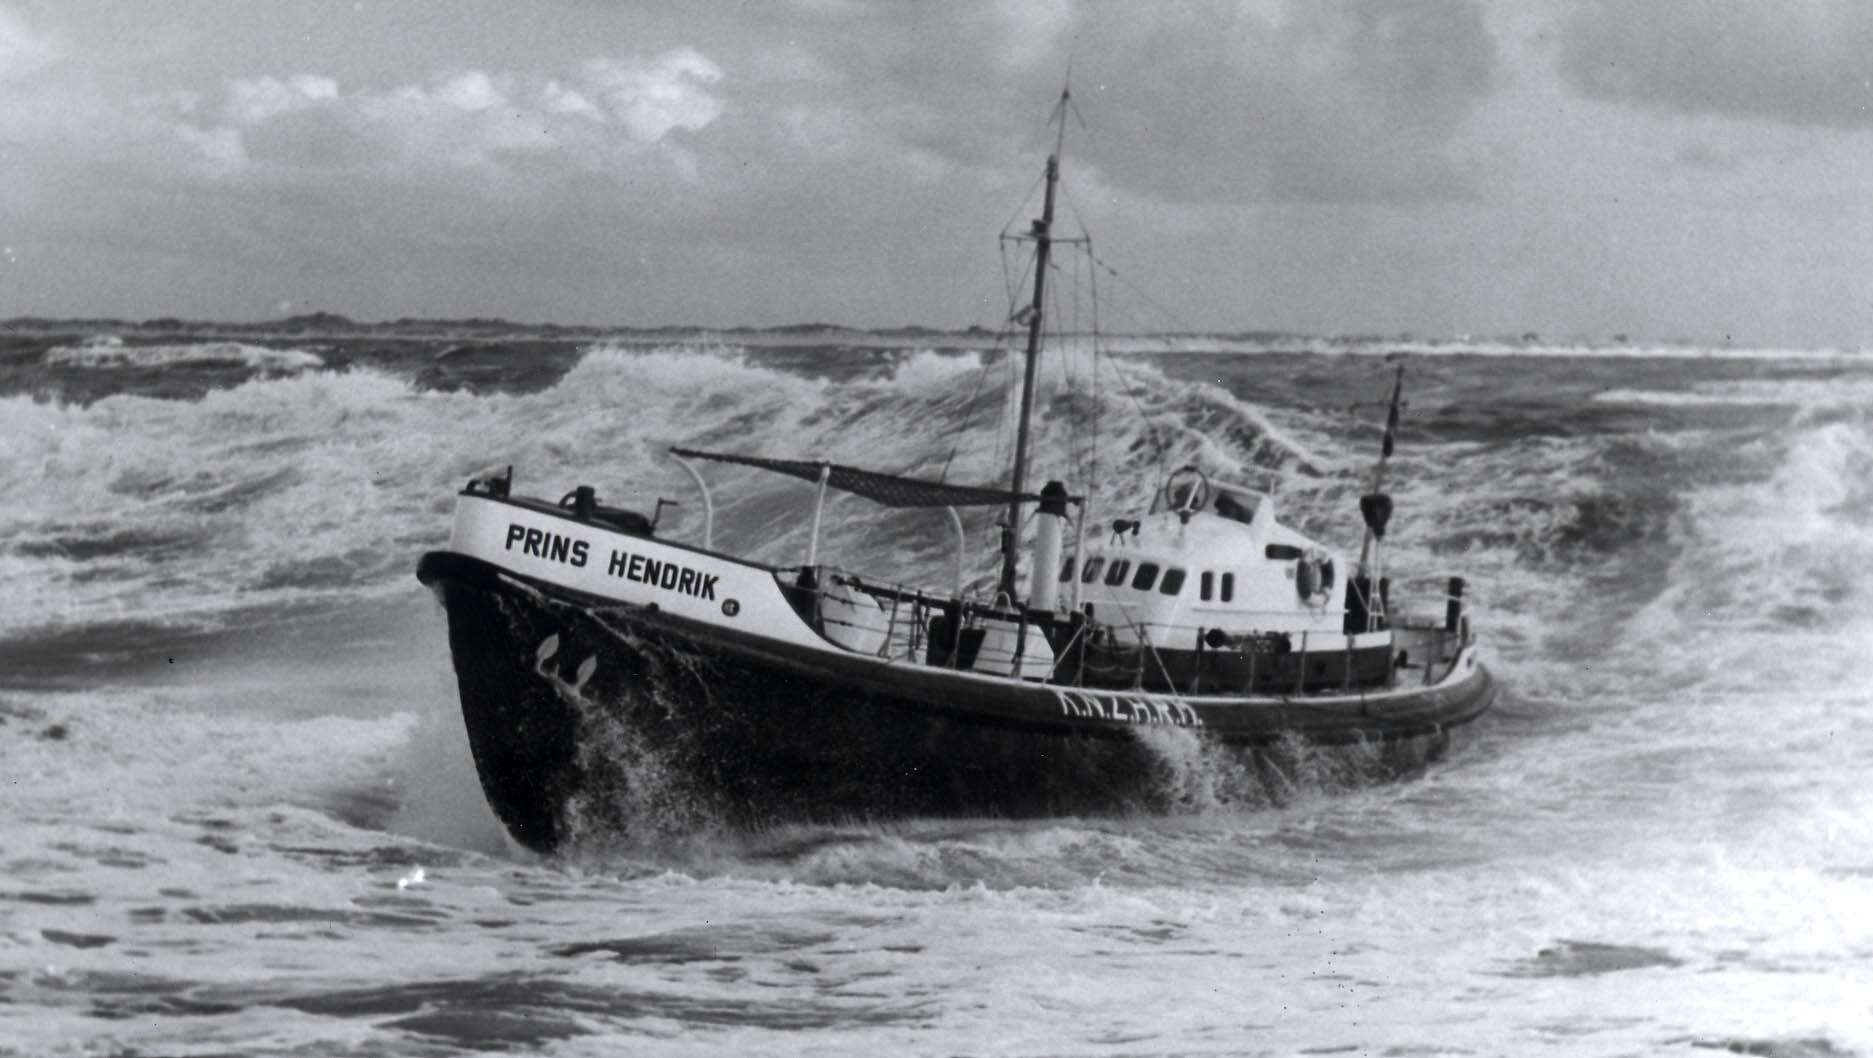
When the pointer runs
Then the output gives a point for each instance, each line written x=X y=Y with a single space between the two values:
x=799 y=635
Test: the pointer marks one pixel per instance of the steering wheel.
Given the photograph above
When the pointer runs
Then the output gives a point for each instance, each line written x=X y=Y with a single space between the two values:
x=1187 y=490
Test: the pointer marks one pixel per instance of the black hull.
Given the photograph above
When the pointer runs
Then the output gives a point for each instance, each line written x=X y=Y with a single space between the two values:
x=601 y=719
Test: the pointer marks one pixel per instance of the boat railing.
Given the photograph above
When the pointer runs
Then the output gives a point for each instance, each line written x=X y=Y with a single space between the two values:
x=708 y=501
x=900 y=623
x=820 y=499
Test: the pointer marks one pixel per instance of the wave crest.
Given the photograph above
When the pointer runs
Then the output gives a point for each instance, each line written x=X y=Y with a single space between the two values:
x=111 y=352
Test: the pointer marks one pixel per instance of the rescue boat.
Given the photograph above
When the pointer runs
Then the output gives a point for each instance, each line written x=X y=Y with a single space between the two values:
x=611 y=676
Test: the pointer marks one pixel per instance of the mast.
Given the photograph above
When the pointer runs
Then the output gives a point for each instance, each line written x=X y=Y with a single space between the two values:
x=1042 y=233
x=1376 y=508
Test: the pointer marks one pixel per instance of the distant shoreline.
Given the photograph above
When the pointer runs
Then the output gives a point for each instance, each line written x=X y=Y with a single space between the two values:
x=330 y=327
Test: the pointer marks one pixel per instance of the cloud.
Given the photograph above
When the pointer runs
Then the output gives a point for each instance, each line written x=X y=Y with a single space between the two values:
x=610 y=109
x=1197 y=101
x=559 y=99
x=1702 y=156
x=1032 y=30
x=259 y=99
x=24 y=51
x=1345 y=100
x=1802 y=63
x=220 y=149
x=670 y=91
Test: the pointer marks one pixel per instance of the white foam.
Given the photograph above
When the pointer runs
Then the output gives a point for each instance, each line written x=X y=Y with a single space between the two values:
x=113 y=352
x=1693 y=798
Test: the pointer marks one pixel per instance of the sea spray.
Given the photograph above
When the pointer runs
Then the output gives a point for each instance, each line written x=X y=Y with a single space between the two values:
x=643 y=786
x=438 y=794
x=1199 y=775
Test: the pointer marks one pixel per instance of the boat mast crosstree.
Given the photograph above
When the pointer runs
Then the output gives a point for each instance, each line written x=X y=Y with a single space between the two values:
x=604 y=667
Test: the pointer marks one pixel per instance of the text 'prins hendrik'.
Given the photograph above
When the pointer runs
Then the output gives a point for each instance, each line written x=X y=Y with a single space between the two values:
x=664 y=574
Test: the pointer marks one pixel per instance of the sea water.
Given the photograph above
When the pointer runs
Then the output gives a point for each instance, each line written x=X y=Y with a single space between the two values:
x=238 y=815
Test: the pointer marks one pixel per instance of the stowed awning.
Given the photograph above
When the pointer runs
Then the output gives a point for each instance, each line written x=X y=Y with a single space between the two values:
x=891 y=490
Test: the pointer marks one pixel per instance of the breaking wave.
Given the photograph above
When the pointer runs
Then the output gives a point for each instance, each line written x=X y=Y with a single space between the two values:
x=1662 y=831
x=113 y=352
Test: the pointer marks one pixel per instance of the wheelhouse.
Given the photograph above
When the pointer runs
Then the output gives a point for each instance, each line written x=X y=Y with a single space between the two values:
x=1208 y=556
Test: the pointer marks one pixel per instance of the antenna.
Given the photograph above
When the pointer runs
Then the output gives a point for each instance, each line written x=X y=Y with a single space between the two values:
x=1391 y=428
x=1059 y=116
x=1375 y=507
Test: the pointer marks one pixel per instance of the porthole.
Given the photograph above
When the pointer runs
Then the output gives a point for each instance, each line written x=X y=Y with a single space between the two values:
x=1115 y=573
x=1147 y=576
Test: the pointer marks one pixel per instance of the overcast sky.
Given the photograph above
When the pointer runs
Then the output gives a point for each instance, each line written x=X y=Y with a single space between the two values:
x=1664 y=169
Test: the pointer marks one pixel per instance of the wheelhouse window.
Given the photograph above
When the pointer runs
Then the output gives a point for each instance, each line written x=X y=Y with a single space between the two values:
x=1067 y=568
x=1090 y=572
x=1173 y=582
x=1147 y=576
x=1206 y=586
x=1229 y=587
x=1115 y=573
x=1233 y=507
